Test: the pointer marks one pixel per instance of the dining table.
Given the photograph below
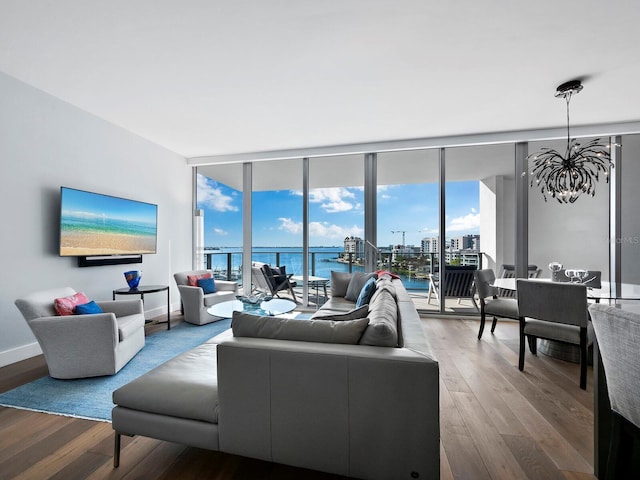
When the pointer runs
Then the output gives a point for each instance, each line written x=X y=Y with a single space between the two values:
x=602 y=416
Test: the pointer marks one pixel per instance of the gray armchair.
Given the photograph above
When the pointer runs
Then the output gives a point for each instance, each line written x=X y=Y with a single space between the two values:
x=78 y=346
x=195 y=302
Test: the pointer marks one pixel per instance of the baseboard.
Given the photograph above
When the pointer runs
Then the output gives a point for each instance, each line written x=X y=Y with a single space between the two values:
x=158 y=311
x=19 y=353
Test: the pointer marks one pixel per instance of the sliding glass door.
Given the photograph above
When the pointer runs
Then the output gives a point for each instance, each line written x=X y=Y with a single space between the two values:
x=277 y=214
x=408 y=217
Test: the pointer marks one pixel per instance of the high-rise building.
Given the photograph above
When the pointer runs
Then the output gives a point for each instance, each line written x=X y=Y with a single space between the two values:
x=430 y=244
x=466 y=242
x=355 y=246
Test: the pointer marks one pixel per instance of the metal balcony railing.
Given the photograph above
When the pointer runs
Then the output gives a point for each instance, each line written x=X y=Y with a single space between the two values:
x=413 y=268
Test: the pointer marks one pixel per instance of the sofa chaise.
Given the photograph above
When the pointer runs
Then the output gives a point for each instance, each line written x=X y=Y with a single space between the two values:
x=337 y=393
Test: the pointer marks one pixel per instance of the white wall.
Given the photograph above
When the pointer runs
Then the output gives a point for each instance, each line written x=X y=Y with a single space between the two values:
x=46 y=143
x=497 y=227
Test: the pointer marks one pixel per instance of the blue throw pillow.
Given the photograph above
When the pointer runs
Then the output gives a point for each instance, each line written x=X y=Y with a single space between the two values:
x=208 y=285
x=366 y=293
x=88 y=308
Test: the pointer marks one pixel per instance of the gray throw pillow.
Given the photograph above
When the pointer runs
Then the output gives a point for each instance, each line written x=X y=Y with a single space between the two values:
x=383 y=322
x=360 y=312
x=248 y=325
x=383 y=286
x=358 y=279
x=339 y=283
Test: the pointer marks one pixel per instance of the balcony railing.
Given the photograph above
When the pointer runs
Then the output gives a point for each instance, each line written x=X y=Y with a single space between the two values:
x=414 y=268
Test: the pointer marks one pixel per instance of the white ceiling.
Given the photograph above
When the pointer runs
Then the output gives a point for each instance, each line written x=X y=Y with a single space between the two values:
x=206 y=77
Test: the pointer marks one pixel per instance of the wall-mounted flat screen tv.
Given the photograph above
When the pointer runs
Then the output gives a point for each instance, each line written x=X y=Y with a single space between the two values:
x=92 y=224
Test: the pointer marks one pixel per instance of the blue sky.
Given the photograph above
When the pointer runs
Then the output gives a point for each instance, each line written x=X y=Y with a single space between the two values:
x=81 y=204
x=335 y=213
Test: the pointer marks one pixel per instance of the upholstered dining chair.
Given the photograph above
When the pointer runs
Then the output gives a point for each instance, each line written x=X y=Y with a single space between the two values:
x=490 y=301
x=618 y=335
x=90 y=345
x=553 y=311
x=593 y=279
x=509 y=271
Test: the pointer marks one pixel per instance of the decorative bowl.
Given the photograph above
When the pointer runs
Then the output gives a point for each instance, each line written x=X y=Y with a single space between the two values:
x=133 y=278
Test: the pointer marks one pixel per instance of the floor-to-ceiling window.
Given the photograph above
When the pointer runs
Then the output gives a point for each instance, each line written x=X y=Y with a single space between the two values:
x=219 y=210
x=478 y=213
x=408 y=215
x=480 y=201
x=277 y=213
x=336 y=216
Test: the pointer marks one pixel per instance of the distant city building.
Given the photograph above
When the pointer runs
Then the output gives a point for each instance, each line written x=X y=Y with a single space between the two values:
x=430 y=245
x=403 y=250
x=355 y=246
x=451 y=256
x=466 y=242
x=462 y=250
x=469 y=257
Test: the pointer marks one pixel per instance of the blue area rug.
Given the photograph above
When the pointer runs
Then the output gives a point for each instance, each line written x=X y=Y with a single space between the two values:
x=90 y=398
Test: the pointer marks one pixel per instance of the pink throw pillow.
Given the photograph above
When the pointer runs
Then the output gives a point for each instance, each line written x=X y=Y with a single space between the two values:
x=65 y=305
x=193 y=279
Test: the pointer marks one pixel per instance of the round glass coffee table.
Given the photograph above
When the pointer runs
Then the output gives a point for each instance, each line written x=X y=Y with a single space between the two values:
x=271 y=307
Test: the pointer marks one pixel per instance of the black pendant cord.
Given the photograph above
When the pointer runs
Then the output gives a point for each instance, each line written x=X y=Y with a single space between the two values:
x=568 y=99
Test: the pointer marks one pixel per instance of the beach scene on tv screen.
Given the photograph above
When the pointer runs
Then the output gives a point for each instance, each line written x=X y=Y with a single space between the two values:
x=93 y=224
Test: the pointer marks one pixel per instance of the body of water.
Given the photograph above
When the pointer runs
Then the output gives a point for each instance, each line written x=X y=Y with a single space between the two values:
x=326 y=260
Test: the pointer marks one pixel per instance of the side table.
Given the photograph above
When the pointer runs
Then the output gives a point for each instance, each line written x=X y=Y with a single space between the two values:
x=141 y=290
x=314 y=282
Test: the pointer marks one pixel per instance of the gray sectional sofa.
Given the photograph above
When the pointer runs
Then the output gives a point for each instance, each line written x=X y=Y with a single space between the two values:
x=309 y=393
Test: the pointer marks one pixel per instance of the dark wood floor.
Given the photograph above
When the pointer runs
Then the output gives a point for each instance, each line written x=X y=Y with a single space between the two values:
x=496 y=423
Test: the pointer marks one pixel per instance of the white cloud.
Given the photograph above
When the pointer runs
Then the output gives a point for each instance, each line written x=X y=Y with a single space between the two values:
x=212 y=196
x=290 y=226
x=221 y=232
x=333 y=199
x=470 y=221
x=332 y=231
x=320 y=229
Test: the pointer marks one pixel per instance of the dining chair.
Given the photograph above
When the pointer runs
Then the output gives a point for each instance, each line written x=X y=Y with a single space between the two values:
x=509 y=271
x=592 y=280
x=490 y=301
x=618 y=336
x=553 y=311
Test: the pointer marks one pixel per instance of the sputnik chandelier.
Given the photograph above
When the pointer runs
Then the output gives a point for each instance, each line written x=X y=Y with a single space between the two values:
x=566 y=177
